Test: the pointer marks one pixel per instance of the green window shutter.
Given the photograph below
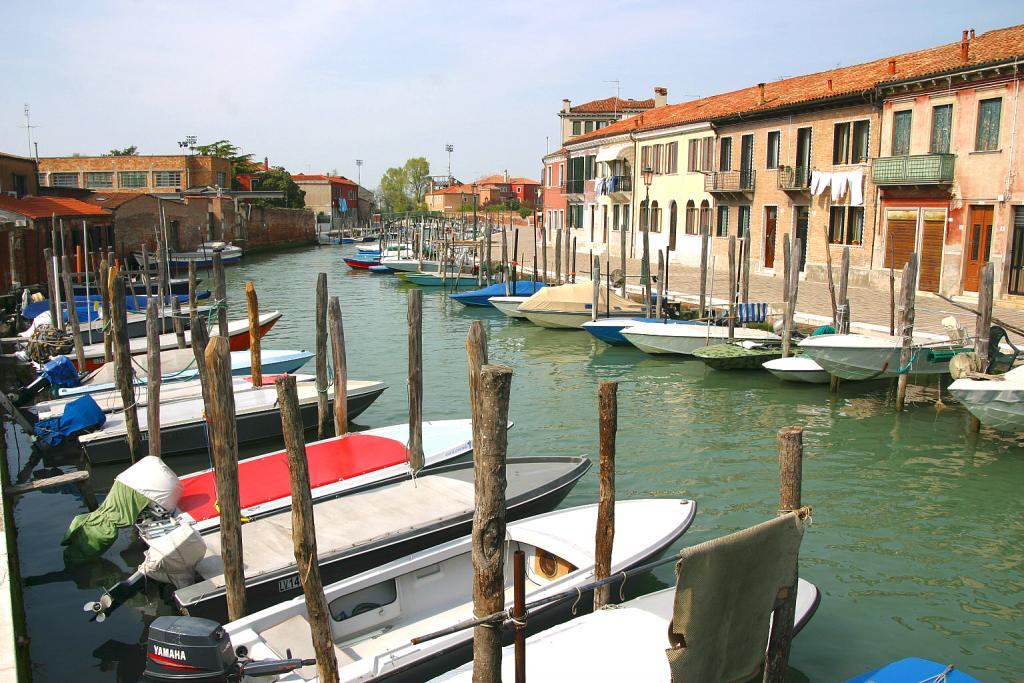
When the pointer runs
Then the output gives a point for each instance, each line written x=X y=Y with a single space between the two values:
x=988 y=124
x=901 y=133
x=861 y=132
x=942 y=120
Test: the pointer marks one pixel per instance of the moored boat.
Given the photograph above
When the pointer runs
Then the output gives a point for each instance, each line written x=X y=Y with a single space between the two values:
x=569 y=306
x=685 y=339
x=482 y=297
x=410 y=265
x=867 y=356
x=609 y=330
x=745 y=355
x=453 y=280
x=360 y=263
x=997 y=402
x=915 y=670
x=509 y=305
x=202 y=257
x=797 y=369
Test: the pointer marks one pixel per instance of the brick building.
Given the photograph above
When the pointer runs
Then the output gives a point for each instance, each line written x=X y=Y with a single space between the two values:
x=334 y=196
x=138 y=173
x=450 y=198
x=553 y=192
x=596 y=114
x=17 y=176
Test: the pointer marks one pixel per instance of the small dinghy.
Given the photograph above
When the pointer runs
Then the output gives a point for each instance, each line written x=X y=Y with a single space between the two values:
x=360 y=263
x=866 y=356
x=569 y=306
x=367 y=528
x=915 y=670
x=202 y=257
x=509 y=305
x=452 y=280
x=997 y=402
x=375 y=614
x=381 y=270
x=797 y=369
x=410 y=265
x=740 y=355
x=482 y=297
x=183 y=423
x=685 y=339
x=609 y=330
x=590 y=647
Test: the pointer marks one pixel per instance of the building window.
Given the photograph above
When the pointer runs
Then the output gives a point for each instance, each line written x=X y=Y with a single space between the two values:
x=722 y=226
x=692 y=154
x=167 y=178
x=850 y=143
x=725 y=154
x=989 y=112
x=846 y=225
x=132 y=179
x=588 y=167
x=222 y=179
x=672 y=157
x=707 y=154
x=705 y=217
x=64 y=179
x=691 y=218
x=577 y=127
x=99 y=179
x=41 y=179
x=655 y=217
x=588 y=127
x=549 y=176
x=901 y=133
x=743 y=224
x=774 y=144
x=942 y=122
x=615 y=217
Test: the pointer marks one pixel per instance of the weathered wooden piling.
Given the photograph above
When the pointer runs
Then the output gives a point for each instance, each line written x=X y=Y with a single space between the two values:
x=220 y=294
x=558 y=257
x=153 y=376
x=103 y=285
x=252 y=306
x=787 y=257
x=983 y=326
x=892 y=290
x=843 y=325
x=415 y=319
x=908 y=292
x=519 y=612
x=304 y=530
x=661 y=284
x=703 y=268
x=476 y=358
x=793 y=276
x=177 y=322
x=732 y=287
x=791 y=454
x=334 y=322
x=200 y=338
x=622 y=258
x=831 y=281
x=145 y=271
x=123 y=363
x=191 y=286
x=504 y=261
x=220 y=424
x=76 y=330
x=488 y=538
x=544 y=253
x=608 y=415
x=51 y=289
x=745 y=283
x=321 y=356
x=595 y=303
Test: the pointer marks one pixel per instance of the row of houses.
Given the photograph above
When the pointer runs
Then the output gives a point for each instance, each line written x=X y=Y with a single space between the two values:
x=913 y=152
x=448 y=195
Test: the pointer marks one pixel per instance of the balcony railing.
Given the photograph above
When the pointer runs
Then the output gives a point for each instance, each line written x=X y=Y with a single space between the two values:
x=729 y=181
x=618 y=183
x=574 y=186
x=794 y=177
x=918 y=169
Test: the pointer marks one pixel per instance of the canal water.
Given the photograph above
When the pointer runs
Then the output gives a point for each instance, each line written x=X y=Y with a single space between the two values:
x=917 y=541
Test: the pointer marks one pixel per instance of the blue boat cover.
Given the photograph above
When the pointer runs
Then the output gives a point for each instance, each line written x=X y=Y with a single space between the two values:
x=82 y=413
x=59 y=371
x=752 y=313
x=85 y=312
x=522 y=288
x=914 y=669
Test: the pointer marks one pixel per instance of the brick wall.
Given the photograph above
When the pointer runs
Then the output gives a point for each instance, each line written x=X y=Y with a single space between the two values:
x=196 y=171
x=268 y=228
x=18 y=174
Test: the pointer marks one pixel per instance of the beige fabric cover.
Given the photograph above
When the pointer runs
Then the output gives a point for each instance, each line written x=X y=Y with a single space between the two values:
x=726 y=589
x=577 y=297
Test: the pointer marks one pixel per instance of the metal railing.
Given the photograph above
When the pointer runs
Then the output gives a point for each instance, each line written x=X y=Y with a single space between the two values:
x=729 y=181
x=794 y=177
x=618 y=183
x=574 y=186
x=916 y=169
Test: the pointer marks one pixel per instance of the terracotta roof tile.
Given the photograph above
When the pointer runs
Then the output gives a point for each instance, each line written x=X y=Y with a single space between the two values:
x=455 y=189
x=341 y=180
x=111 y=200
x=610 y=105
x=46 y=207
x=993 y=46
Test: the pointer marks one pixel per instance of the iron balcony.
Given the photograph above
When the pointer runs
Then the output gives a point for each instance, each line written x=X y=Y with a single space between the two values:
x=794 y=178
x=916 y=169
x=729 y=181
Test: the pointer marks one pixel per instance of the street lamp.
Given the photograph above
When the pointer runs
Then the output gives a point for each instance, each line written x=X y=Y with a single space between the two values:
x=645 y=262
x=449 y=149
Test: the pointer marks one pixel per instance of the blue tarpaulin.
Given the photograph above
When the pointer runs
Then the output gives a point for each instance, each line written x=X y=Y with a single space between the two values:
x=60 y=372
x=87 y=312
x=80 y=414
x=481 y=297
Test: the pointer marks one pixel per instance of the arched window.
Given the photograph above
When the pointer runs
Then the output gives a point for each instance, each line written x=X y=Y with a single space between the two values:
x=655 y=217
x=705 y=216
x=673 y=220
x=691 y=218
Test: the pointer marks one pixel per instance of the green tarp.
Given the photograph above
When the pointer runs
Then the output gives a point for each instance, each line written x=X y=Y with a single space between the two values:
x=92 y=533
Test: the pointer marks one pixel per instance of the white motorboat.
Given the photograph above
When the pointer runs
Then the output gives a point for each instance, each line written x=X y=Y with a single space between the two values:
x=569 y=306
x=375 y=614
x=509 y=305
x=864 y=356
x=592 y=646
x=797 y=369
x=202 y=256
x=409 y=265
x=996 y=403
x=685 y=339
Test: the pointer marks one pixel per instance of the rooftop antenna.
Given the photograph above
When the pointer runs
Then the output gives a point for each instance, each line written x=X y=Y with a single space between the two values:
x=615 y=105
x=28 y=128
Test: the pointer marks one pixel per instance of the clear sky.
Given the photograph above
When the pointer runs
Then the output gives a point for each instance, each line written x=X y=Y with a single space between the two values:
x=316 y=85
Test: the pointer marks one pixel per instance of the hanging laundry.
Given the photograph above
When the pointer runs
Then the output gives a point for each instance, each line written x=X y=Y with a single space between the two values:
x=598 y=187
x=819 y=182
x=856 y=179
x=611 y=184
x=838 y=186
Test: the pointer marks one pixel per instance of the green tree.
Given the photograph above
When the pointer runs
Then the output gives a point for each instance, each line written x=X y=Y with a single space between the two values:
x=131 y=151
x=417 y=180
x=278 y=179
x=240 y=163
x=392 y=191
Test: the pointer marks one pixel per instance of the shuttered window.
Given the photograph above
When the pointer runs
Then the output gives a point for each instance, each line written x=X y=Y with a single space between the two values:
x=774 y=142
x=725 y=154
x=901 y=236
x=846 y=225
x=691 y=155
x=707 y=159
x=989 y=112
x=859 y=149
x=901 y=133
x=691 y=218
x=722 y=227
x=673 y=157
x=743 y=225
x=942 y=121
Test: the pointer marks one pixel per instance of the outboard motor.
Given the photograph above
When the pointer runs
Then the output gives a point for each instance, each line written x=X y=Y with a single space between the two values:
x=191 y=649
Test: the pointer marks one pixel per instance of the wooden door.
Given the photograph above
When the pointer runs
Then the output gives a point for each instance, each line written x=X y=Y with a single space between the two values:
x=771 y=217
x=979 y=244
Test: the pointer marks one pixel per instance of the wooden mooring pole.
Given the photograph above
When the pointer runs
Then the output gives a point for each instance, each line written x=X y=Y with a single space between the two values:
x=661 y=284
x=519 y=612
x=558 y=257
x=200 y=338
x=177 y=321
x=51 y=289
x=104 y=288
x=191 y=286
x=791 y=455
x=793 y=277
x=123 y=364
x=596 y=279
x=828 y=268
x=321 y=356
x=76 y=330
x=220 y=294
x=908 y=292
x=337 y=329
x=476 y=358
x=843 y=323
x=488 y=538
x=153 y=377
x=608 y=411
x=304 y=530
x=220 y=424
x=703 y=268
x=745 y=278
x=732 y=287
x=252 y=306
x=983 y=327
x=415 y=319
x=787 y=255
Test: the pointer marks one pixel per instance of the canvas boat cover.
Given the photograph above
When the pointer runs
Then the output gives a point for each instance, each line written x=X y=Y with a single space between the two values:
x=81 y=414
x=726 y=589
x=147 y=481
x=578 y=297
x=172 y=558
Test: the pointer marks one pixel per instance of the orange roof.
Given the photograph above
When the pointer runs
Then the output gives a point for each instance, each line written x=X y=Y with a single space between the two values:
x=111 y=200
x=455 y=189
x=341 y=180
x=993 y=46
x=523 y=181
x=46 y=207
x=611 y=105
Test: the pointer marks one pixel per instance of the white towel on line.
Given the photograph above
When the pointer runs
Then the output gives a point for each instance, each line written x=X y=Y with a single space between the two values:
x=838 y=185
x=856 y=179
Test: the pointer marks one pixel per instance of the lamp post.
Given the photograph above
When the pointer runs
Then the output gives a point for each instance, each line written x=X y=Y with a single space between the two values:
x=449 y=149
x=645 y=262
x=359 y=184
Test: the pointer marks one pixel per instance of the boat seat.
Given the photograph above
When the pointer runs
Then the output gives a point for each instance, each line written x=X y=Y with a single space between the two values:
x=293 y=633
x=999 y=362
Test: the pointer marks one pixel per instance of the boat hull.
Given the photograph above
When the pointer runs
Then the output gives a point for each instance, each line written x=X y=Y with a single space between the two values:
x=998 y=404
x=869 y=358
x=797 y=369
x=685 y=339
x=360 y=264
x=565 y=320
x=609 y=330
x=435 y=280
x=509 y=305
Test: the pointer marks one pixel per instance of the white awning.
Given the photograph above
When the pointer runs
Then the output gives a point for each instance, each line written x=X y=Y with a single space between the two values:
x=613 y=152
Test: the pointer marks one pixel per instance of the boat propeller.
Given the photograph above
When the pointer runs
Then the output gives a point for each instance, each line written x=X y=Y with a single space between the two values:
x=99 y=608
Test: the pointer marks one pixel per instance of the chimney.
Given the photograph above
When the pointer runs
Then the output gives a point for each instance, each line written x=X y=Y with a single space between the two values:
x=760 y=93
x=506 y=175
x=830 y=85
x=660 y=96
x=971 y=37
x=892 y=66
x=266 y=163
x=566 y=105
x=964 y=46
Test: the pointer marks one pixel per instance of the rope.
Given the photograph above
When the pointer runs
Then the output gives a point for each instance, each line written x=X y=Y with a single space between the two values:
x=511 y=617
x=941 y=677
x=579 y=596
